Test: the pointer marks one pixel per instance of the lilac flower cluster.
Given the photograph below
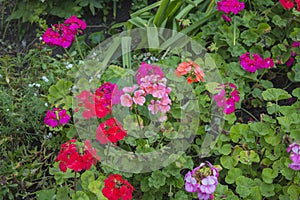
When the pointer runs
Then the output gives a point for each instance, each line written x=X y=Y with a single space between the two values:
x=151 y=81
x=294 y=156
x=55 y=116
x=227 y=97
x=251 y=65
x=230 y=6
x=203 y=180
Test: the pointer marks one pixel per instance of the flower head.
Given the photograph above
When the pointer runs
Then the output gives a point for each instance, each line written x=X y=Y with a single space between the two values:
x=110 y=130
x=192 y=70
x=116 y=188
x=203 y=180
x=76 y=158
x=56 y=116
x=294 y=150
x=251 y=65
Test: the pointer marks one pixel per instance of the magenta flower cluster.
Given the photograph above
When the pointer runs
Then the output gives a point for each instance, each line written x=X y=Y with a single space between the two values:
x=64 y=34
x=203 y=180
x=151 y=81
x=294 y=149
x=291 y=60
x=230 y=6
x=227 y=97
x=251 y=65
x=56 y=116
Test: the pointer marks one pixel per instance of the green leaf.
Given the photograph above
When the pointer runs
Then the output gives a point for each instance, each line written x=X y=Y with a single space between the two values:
x=228 y=162
x=294 y=191
x=268 y=175
x=80 y=195
x=296 y=93
x=278 y=21
x=157 y=179
x=232 y=175
x=243 y=186
x=261 y=128
x=267 y=190
x=86 y=178
x=275 y=94
x=226 y=149
x=296 y=70
x=45 y=194
x=181 y=195
x=59 y=94
x=96 y=188
x=247 y=157
x=273 y=139
x=237 y=131
x=64 y=193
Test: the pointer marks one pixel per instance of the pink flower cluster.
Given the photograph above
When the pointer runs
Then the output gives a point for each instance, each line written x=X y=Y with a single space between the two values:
x=64 y=34
x=151 y=81
x=56 y=116
x=203 y=180
x=291 y=60
x=294 y=156
x=227 y=97
x=230 y=6
x=251 y=65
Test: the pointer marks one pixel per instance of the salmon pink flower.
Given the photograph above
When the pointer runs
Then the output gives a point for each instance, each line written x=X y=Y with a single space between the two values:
x=139 y=98
x=183 y=69
x=126 y=100
x=192 y=70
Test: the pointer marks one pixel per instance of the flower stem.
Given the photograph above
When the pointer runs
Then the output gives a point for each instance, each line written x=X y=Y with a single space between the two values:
x=78 y=48
x=107 y=152
x=250 y=114
x=75 y=182
x=234 y=30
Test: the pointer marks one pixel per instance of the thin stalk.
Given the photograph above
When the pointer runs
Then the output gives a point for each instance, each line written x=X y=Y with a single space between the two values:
x=107 y=152
x=234 y=30
x=75 y=182
x=137 y=118
x=78 y=47
x=115 y=9
x=250 y=114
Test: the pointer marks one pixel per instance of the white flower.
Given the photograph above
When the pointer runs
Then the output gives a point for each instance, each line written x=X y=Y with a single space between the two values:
x=1 y=76
x=37 y=84
x=46 y=104
x=69 y=66
x=45 y=79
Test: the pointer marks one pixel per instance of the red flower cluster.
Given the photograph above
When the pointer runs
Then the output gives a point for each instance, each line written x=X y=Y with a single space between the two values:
x=289 y=4
x=100 y=103
x=110 y=130
x=64 y=34
x=116 y=188
x=195 y=75
x=70 y=158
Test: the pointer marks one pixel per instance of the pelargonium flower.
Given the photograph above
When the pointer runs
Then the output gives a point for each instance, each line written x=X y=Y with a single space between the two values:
x=100 y=103
x=76 y=25
x=227 y=97
x=230 y=6
x=203 y=180
x=148 y=69
x=69 y=156
x=192 y=70
x=56 y=116
x=289 y=4
x=294 y=148
x=116 y=188
x=64 y=34
x=110 y=130
x=251 y=65
x=291 y=60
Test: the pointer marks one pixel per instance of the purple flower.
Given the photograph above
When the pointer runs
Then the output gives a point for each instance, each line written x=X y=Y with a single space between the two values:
x=51 y=119
x=230 y=6
x=294 y=156
x=251 y=65
x=63 y=117
x=226 y=18
x=203 y=180
x=227 y=97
